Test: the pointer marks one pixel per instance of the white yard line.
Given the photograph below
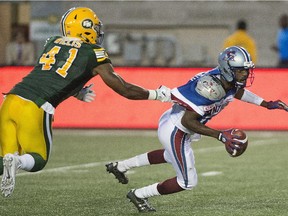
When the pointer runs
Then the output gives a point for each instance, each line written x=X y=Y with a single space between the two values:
x=64 y=169
x=105 y=132
x=96 y=164
x=211 y=173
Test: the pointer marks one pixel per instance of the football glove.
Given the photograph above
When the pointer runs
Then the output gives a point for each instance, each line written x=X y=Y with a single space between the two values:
x=277 y=105
x=86 y=94
x=163 y=94
x=230 y=141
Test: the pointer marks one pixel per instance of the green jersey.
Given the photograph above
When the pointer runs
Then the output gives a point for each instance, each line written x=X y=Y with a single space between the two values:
x=62 y=70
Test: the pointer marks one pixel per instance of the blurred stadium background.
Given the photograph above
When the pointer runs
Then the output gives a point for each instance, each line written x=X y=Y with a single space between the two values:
x=140 y=34
x=189 y=33
x=153 y=43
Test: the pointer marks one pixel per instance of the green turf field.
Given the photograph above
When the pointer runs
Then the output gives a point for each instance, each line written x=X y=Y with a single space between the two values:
x=75 y=182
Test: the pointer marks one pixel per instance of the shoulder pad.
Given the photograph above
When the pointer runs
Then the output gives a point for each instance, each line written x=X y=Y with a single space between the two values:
x=210 y=88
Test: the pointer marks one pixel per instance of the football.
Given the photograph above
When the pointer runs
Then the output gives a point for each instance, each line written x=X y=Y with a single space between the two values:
x=242 y=143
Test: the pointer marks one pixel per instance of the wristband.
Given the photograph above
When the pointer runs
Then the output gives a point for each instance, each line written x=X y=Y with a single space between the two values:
x=222 y=138
x=152 y=95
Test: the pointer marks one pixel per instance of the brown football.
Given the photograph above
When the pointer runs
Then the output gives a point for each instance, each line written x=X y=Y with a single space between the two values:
x=242 y=143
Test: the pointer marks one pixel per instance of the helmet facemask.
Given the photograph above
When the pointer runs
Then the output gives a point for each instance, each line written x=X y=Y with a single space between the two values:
x=100 y=33
x=242 y=81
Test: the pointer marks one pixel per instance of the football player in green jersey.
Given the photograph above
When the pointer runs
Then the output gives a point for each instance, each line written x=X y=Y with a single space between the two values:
x=64 y=67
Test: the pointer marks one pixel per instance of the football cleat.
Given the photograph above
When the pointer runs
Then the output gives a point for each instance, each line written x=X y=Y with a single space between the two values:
x=112 y=168
x=10 y=165
x=141 y=204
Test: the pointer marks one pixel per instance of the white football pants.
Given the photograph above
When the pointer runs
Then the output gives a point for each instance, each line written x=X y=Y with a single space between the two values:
x=178 y=151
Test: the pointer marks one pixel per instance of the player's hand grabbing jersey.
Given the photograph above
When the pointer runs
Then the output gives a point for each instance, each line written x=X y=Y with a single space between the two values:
x=61 y=71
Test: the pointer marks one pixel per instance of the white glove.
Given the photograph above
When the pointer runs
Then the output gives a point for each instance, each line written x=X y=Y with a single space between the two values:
x=86 y=94
x=162 y=94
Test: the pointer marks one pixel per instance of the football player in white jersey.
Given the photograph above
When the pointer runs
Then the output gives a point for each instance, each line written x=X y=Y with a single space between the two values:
x=195 y=103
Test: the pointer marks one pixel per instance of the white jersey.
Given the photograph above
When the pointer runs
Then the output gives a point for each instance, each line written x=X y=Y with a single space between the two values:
x=186 y=98
x=175 y=138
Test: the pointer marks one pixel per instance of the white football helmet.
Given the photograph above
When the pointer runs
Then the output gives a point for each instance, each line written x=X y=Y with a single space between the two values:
x=232 y=59
x=210 y=87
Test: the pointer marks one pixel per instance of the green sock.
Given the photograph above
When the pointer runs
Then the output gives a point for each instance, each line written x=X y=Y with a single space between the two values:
x=39 y=162
x=1 y=165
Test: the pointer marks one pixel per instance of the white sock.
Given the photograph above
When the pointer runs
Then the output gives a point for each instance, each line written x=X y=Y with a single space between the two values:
x=137 y=161
x=27 y=162
x=147 y=191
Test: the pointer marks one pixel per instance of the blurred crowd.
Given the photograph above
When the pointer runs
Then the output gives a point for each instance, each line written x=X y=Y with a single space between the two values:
x=153 y=49
x=20 y=50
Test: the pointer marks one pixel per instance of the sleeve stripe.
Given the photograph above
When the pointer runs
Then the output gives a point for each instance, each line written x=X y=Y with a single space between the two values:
x=101 y=54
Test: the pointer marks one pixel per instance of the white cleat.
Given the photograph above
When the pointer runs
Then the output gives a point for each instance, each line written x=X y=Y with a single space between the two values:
x=10 y=165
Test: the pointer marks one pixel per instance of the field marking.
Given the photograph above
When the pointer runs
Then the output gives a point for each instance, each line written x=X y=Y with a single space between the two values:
x=105 y=132
x=96 y=164
x=211 y=173
x=64 y=169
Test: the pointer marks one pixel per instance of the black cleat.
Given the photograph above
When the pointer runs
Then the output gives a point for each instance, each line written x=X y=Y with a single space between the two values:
x=141 y=204
x=112 y=168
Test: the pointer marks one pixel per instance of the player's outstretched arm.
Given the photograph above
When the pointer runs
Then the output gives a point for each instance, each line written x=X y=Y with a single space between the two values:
x=250 y=97
x=129 y=90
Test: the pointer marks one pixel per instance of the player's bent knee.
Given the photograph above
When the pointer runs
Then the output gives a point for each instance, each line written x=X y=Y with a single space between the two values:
x=188 y=185
x=40 y=163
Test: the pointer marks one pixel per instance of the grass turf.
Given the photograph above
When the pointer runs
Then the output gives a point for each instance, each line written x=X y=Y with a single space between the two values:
x=75 y=181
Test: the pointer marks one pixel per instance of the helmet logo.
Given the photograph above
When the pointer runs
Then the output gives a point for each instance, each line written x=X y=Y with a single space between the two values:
x=87 y=23
x=229 y=56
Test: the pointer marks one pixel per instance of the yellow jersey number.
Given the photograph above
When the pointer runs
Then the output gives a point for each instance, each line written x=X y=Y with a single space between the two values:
x=48 y=59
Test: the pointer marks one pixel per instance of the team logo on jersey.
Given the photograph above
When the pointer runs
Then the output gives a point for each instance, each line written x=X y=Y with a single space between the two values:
x=87 y=23
x=230 y=55
x=208 y=107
